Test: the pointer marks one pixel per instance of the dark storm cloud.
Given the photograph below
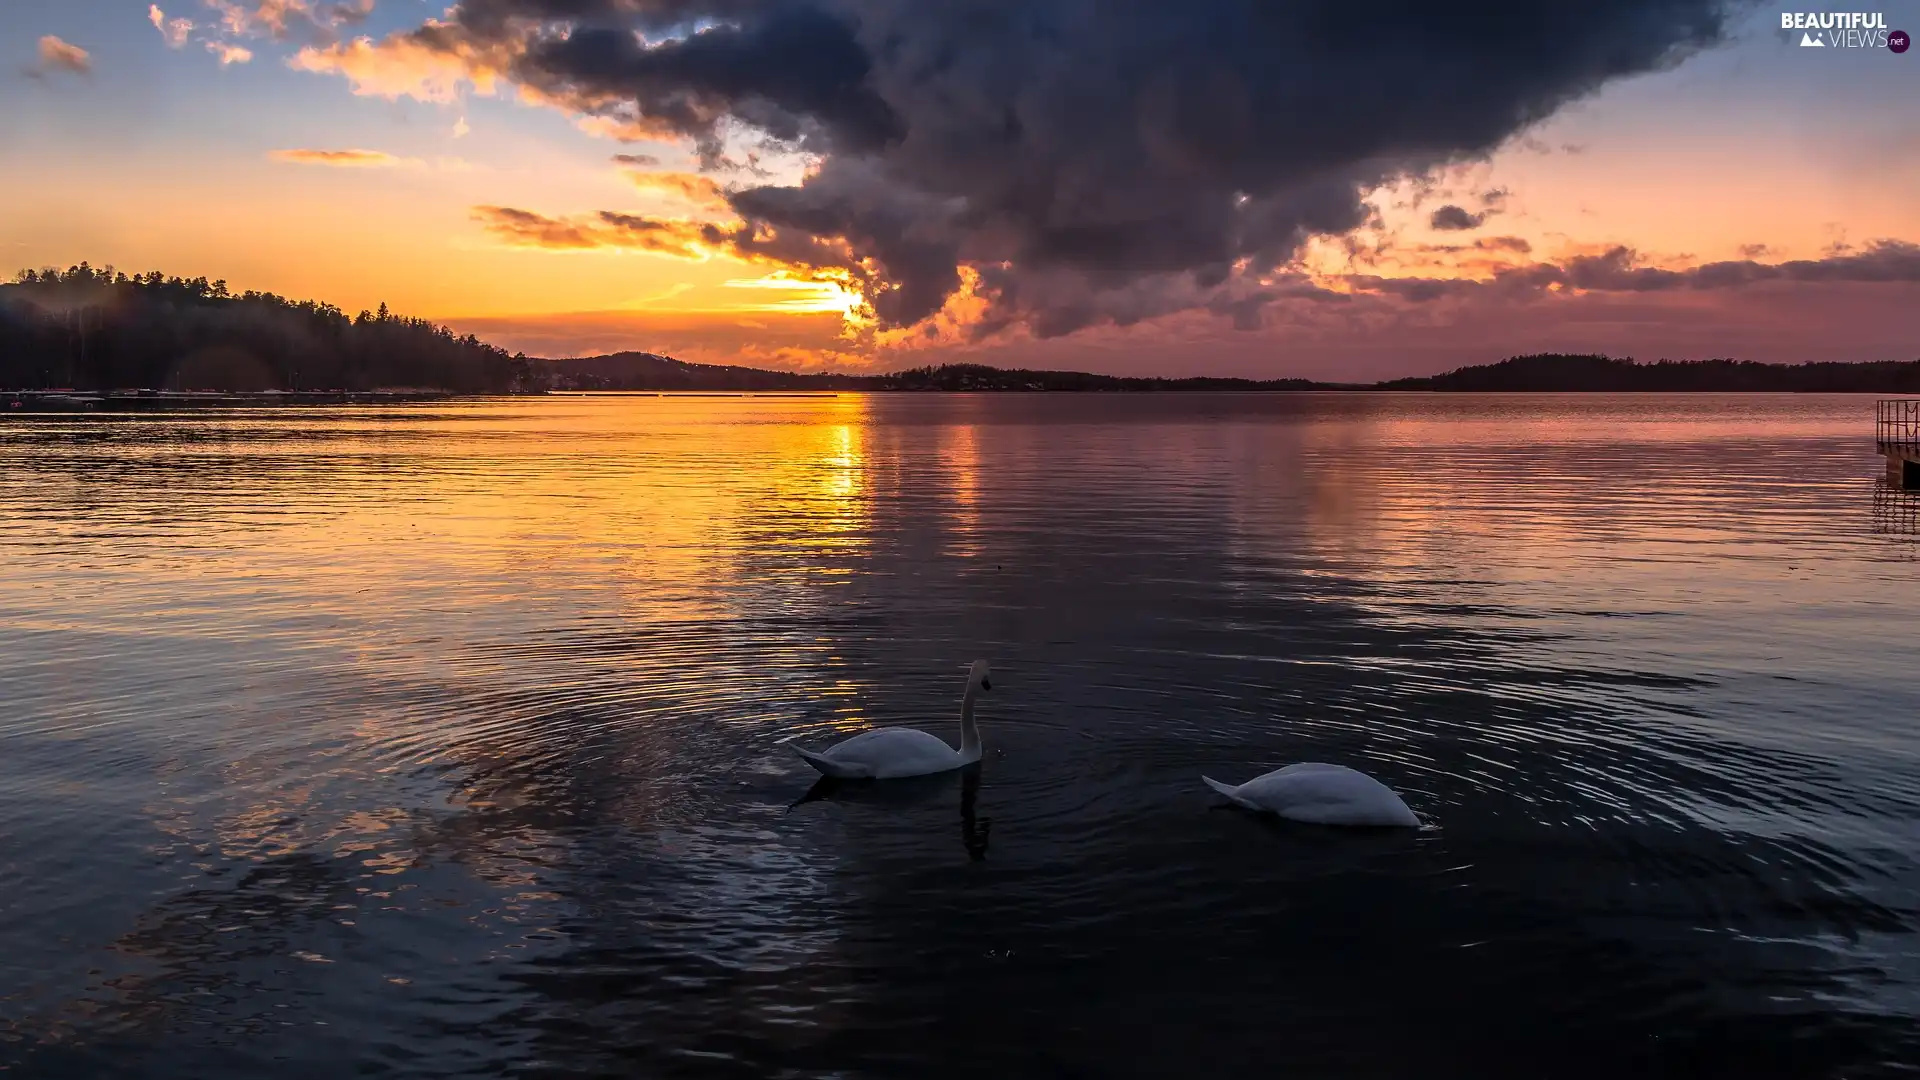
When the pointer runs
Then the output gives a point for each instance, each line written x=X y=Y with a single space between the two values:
x=497 y=17
x=1070 y=151
x=795 y=73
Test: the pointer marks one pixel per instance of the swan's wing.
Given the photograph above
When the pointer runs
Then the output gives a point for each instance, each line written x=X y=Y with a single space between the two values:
x=1310 y=766
x=1332 y=795
x=1293 y=785
x=1249 y=793
x=884 y=751
x=888 y=740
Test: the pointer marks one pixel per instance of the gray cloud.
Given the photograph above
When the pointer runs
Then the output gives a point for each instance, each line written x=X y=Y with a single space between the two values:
x=1454 y=218
x=605 y=230
x=1617 y=270
x=1516 y=244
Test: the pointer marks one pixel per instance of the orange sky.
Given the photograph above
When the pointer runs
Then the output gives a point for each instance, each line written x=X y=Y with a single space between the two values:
x=280 y=174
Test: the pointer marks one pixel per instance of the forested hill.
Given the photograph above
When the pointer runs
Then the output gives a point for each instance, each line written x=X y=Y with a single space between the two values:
x=100 y=329
x=1538 y=373
x=649 y=371
x=981 y=377
x=1549 y=372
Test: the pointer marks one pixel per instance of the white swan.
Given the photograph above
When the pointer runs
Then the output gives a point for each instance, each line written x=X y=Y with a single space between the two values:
x=1321 y=794
x=891 y=753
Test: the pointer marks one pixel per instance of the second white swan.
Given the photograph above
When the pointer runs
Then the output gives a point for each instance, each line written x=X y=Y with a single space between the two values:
x=1320 y=794
x=892 y=753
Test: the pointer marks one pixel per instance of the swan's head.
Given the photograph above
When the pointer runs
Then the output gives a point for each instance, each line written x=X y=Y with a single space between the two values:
x=977 y=676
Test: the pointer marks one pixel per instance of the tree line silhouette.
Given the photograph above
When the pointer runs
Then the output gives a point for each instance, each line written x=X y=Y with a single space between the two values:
x=652 y=371
x=1558 y=372
x=1544 y=372
x=102 y=329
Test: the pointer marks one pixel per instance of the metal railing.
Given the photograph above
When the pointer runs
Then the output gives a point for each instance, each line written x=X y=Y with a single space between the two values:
x=1896 y=423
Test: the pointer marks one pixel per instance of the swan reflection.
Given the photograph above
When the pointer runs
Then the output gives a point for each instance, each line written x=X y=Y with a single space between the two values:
x=911 y=792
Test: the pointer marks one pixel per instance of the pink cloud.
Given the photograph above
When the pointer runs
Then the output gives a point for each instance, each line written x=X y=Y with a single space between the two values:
x=59 y=55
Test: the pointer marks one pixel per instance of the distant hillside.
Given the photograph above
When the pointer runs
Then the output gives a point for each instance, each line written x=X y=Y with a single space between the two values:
x=981 y=377
x=650 y=371
x=1545 y=372
x=1551 y=372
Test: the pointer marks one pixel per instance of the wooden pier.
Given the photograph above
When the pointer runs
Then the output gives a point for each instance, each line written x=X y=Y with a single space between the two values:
x=1896 y=431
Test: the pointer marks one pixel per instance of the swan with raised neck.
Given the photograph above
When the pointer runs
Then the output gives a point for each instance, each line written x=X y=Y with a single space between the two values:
x=890 y=753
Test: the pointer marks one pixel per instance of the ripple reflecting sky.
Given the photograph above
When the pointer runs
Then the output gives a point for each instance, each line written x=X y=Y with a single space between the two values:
x=449 y=740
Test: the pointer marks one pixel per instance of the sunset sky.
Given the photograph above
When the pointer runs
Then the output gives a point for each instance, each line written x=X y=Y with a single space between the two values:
x=1055 y=196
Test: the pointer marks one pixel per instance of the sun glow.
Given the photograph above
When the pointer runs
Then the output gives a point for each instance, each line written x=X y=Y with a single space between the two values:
x=805 y=295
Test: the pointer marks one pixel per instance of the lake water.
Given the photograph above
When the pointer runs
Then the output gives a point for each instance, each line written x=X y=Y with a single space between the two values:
x=449 y=740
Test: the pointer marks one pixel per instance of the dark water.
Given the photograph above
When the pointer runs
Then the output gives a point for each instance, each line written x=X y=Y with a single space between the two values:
x=447 y=741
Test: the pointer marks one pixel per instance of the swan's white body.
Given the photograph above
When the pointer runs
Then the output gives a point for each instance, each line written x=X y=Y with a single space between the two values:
x=1322 y=795
x=893 y=753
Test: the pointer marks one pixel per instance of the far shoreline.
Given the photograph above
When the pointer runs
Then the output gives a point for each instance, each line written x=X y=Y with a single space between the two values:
x=129 y=402
x=118 y=401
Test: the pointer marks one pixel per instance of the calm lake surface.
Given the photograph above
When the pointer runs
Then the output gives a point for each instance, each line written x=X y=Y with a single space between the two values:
x=449 y=740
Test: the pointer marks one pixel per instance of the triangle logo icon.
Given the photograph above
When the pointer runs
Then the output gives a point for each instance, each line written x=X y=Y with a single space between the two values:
x=1808 y=41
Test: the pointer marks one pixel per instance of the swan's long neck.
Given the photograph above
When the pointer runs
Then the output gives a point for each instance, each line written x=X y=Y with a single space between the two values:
x=969 y=731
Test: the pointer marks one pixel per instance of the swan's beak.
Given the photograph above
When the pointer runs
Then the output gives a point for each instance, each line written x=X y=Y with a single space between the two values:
x=986 y=684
